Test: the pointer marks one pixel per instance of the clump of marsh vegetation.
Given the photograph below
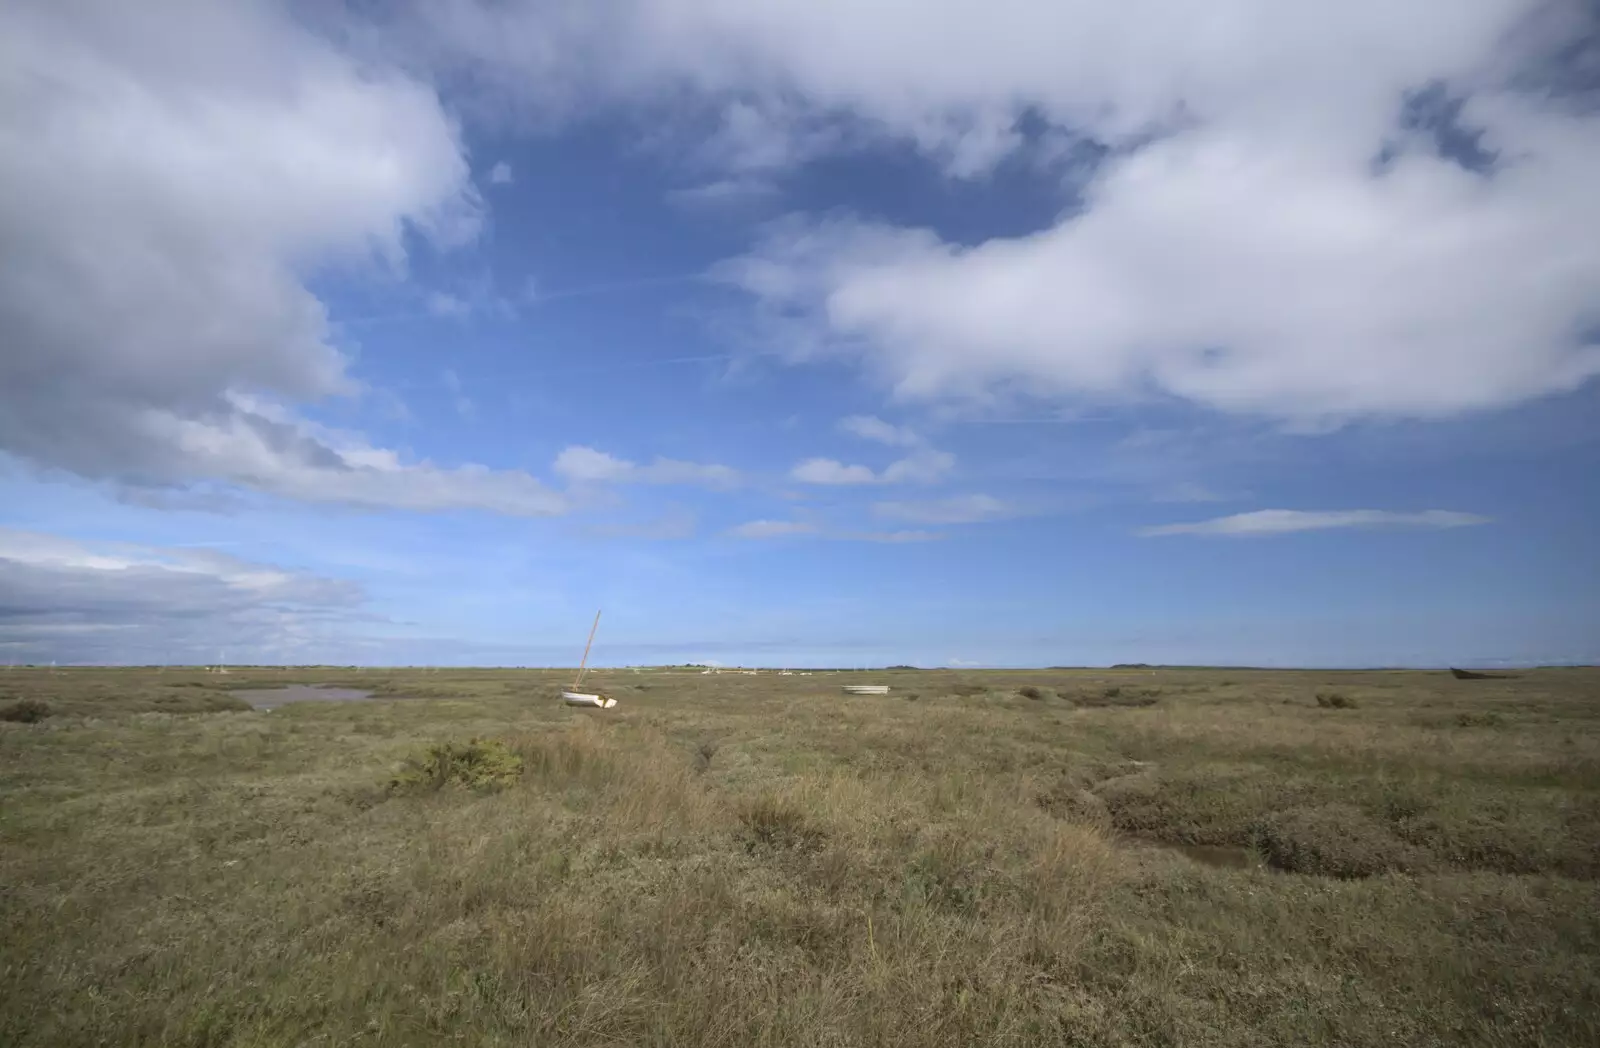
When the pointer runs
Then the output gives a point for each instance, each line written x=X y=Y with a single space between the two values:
x=1031 y=691
x=779 y=824
x=1335 y=840
x=25 y=711
x=1114 y=695
x=481 y=765
x=704 y=750
x=1335 y=700
x=1487 y=719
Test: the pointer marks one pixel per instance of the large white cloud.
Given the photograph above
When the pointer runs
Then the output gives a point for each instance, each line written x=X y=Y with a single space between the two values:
x=1242 y=247
x=171 y=177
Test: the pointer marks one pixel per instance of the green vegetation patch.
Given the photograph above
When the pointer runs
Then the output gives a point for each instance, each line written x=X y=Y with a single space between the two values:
x=482 y=765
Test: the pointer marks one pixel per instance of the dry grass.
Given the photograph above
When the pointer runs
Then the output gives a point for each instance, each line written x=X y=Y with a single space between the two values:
x=762 y=861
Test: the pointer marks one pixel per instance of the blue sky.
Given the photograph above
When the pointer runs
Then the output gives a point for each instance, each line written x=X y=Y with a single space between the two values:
x=416 y=340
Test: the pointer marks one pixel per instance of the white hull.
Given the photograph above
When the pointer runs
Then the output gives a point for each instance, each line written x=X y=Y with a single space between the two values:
x=578 y=698
x=866 y=689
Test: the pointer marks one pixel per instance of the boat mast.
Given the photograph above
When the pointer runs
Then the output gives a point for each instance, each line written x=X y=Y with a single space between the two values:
x=584 y=665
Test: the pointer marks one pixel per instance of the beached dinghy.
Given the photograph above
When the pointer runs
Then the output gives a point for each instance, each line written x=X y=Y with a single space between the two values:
x=572 y=696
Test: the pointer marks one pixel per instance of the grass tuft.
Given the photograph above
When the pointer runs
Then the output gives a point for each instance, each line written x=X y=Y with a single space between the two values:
x=1335 y=700
x=778 y=823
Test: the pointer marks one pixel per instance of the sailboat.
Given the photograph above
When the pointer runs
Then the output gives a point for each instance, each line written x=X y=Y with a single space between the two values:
x=572 y=696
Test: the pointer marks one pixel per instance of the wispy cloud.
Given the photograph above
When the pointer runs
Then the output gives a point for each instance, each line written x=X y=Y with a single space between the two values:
x=676 y=523
x=959 y=509
x=831 y=471
x=724 y=192
x=772 y=529
x=912 y=535
x=587 y=465
x=1285 y=521
x=1188 y=491
x=500 y=174
x=444 y=304
x=924 y=466
x=870 y=427
x=463 y=403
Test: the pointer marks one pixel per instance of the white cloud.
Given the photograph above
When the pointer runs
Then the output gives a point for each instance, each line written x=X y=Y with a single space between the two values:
x=959 y=509
x=925 y=466
x=1284 y=521
x=169 y=177
x=500 y=174
x=724 y=192
x=830 y=471
x=772 y=529
x=463 y=403
x=268 y=449
x=444 y=304
x=893 y=537
x=1237 y=249
x=587 y=465
x=870 y=427
x=62 y=598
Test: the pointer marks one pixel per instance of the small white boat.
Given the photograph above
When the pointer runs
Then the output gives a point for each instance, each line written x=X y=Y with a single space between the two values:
x=572 y=696
x=578 y=698
x=866 y=689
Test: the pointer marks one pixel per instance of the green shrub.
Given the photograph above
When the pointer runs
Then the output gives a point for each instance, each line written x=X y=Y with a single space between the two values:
x=1335 y=700
x=1030 y=692
x=483 y=765
x=25 y=711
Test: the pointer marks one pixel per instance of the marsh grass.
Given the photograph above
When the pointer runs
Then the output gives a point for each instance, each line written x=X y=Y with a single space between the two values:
x=761 y=861
x=25 y=711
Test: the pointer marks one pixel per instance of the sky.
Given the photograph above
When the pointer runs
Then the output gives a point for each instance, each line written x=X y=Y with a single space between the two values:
x=814 y=333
